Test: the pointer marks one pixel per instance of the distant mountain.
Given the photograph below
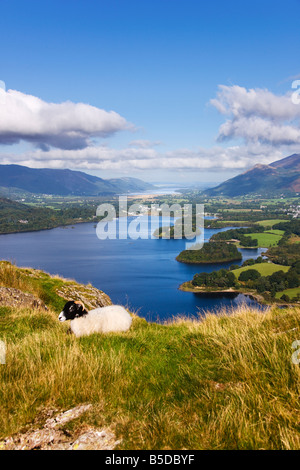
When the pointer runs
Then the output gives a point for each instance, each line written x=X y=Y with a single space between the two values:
x=128 y=184
x=66 y=182
x=280 y=177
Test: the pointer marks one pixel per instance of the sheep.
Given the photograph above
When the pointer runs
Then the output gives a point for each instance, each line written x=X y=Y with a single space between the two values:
x=99 y=320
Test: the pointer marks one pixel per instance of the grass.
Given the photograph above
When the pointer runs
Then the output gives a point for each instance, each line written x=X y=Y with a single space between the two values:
x=35 y=282
x=265 y=269
x=290 y=292
x=276 y=232
x=47 y=287
x=241 y=210
x=266 y=239
x=223 y=382
x=220 y=382
x=270 y=223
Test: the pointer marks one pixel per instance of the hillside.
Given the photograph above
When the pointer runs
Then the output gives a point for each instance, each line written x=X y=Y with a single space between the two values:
x=66 y=182
x=280 y=177
x=220 y=382
x=18 y=217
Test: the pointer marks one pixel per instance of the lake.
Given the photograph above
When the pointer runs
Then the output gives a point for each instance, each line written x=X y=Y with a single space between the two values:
x=141 y=274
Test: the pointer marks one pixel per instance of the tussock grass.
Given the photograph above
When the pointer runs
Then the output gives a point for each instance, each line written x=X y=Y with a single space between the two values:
x=223 y=382
x=33 y=281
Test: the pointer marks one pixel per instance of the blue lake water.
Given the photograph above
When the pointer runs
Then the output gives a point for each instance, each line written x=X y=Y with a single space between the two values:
x=141 y=274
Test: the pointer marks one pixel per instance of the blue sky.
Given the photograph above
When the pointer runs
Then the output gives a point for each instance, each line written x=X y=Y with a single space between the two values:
x=157 y=64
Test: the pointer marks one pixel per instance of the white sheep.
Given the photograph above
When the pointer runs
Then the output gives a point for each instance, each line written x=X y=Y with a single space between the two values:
x=100 y=320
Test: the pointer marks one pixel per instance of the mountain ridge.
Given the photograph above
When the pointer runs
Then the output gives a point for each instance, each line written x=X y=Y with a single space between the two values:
x=279 y=177
x=66 y=182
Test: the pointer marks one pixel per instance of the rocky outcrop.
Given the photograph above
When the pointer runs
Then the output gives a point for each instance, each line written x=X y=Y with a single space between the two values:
x=89 y=295
x=12 y=297
x=53 y=437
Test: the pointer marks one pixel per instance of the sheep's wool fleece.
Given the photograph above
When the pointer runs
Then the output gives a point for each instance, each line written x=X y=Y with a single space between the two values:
x=102 y=320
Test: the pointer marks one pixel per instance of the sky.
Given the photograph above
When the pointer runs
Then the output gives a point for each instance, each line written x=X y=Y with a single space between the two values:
x=163 y=90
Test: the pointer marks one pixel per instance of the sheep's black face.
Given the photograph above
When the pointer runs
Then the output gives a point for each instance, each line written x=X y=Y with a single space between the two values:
x=72 y=310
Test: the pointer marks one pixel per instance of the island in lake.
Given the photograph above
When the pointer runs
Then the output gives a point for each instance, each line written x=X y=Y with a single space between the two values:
x=211 y=252
x=272 y=278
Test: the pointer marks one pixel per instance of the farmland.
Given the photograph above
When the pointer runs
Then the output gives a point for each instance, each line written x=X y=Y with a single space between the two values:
x=265 y=269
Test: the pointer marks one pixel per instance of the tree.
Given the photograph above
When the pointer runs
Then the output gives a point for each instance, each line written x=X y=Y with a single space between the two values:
x=248 y=262
x=234 y=266
x=292 y=278
x=263 y=285
x=250 y=274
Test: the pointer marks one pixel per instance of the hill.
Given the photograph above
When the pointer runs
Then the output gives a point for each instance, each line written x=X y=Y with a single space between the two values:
x=225 y=381
x=18 y=217
x=280 y=177
x=66 y=182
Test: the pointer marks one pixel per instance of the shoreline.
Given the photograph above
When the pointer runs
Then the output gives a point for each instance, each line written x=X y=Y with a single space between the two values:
x=186 y=287
x=208 y=262
x=49 y=228
x=139 y=196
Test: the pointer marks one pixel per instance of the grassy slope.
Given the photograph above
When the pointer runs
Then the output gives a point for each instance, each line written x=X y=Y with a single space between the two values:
x=270 y=223
x=36 y=282
x=275 y=232
x=290 y=292
x=265 y=269
x=226 y=382
x=265 y=239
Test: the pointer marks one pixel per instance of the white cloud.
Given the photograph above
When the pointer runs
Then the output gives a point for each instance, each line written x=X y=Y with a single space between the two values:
x=105 y=158
x=258 y=116
x=239 y=101
x=64 y=125
x=62 y=133
x=256 y=129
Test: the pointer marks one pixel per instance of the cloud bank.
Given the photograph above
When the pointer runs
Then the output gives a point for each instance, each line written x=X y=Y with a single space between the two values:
x=64 y=125
x=258 y=116
x=127 y=159
x=267 y=125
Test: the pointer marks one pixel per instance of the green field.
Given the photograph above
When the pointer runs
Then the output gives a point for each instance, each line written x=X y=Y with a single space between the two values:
x=265 y=269
x=290 y=292
x=266 y=239
x=242 y=210
x=270 y=223
x=276 y=232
